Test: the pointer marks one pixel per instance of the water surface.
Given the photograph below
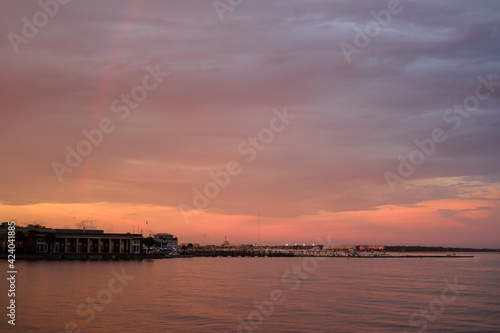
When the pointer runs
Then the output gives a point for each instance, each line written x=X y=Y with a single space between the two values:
x=224 y=294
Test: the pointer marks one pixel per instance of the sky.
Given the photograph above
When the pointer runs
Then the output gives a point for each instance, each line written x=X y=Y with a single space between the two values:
x=356 y=122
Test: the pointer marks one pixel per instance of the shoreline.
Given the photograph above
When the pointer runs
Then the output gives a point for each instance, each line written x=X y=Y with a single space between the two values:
x=139 y=257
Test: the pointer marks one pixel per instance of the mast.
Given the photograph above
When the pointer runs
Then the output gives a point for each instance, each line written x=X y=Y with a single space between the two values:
x=258 y=231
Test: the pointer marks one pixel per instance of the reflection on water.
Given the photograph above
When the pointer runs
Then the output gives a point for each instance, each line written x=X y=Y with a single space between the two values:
x=257 y=294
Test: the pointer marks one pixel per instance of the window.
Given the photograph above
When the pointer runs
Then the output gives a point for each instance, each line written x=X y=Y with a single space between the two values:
x=136 y=247
x=41 y=245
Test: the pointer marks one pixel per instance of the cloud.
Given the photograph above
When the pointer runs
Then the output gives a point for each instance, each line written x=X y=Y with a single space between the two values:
x=353 y=120
x=453 y=212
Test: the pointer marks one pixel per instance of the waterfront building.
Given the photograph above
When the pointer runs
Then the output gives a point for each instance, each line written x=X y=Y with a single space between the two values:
x=95 y=241
x=166 y=240
x=348 y=248
x=36 y=239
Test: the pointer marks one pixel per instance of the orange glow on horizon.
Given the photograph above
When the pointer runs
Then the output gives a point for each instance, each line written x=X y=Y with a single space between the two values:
x=445 y=222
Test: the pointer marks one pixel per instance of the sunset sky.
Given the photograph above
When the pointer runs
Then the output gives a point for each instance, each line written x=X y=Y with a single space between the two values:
x=309 y=112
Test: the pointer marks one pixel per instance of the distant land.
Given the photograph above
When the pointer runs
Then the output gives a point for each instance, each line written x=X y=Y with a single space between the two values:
x=416 y=248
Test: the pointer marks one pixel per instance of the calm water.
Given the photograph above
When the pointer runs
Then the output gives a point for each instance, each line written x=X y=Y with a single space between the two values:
x=212 y=294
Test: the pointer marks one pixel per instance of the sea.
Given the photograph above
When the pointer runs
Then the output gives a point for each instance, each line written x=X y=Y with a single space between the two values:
x=260 y=294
